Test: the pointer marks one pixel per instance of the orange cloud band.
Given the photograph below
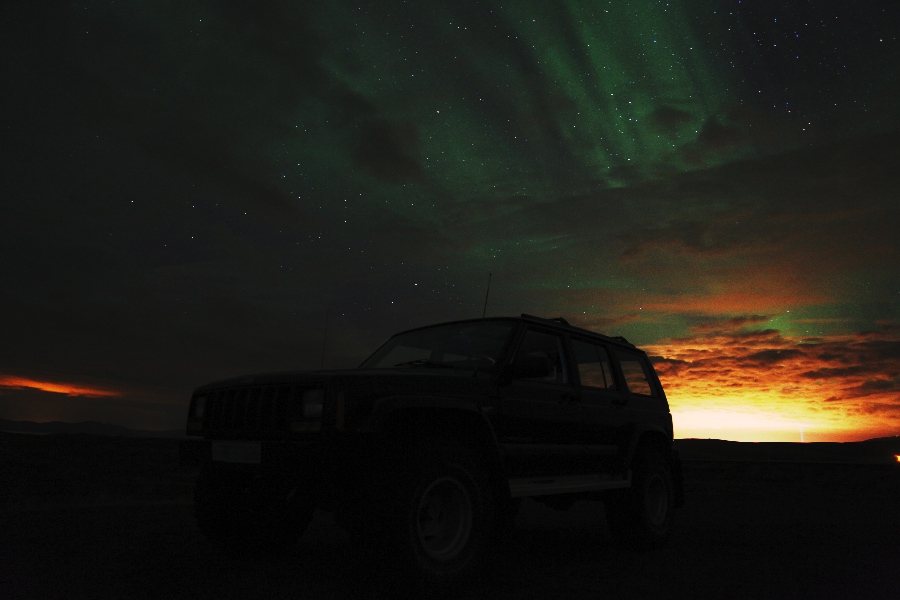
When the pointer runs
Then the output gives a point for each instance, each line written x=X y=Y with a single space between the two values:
x=767 y=384
x=69 y=389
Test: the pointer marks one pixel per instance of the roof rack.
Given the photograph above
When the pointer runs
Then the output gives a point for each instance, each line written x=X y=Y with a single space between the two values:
x=566 y=323
x=557 y=319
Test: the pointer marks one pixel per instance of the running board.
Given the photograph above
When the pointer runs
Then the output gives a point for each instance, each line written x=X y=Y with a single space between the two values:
x=567 y=484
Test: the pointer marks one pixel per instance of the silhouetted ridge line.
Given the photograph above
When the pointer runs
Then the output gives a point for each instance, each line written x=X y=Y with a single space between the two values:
x=879 y=450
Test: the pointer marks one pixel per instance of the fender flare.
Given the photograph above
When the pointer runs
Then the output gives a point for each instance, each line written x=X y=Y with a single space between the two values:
x=385 y=408
x=639 y=432
x=661 y=434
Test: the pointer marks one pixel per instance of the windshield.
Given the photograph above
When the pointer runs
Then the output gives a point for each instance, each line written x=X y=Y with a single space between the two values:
x=473 y=344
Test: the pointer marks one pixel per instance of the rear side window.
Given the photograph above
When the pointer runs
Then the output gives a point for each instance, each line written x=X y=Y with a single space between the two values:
x=593 y=365
x=636 y=372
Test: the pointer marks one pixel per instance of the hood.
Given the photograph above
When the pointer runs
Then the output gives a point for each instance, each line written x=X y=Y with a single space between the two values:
x=420 y=377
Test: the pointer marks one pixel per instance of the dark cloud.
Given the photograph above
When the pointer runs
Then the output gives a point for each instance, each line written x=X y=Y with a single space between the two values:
x=627 y=174
x=216 y=157
x=716 y=137
x=745 y=133
x=835 y=372
x=880 y=349
x=770 y=357
x=880 y=385
x=757 y=212
x=671 y=366
x=710 y=324
x=669 y=120
x=389 y=152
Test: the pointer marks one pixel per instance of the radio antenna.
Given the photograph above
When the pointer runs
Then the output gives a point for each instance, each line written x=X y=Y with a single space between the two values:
x=324 y=339
x=486 y=294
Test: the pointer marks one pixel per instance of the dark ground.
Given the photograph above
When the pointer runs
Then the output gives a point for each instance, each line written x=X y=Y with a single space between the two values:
x=104 y=517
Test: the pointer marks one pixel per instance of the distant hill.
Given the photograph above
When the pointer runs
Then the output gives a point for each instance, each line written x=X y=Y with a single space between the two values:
x=879 y=450
x=84 y=427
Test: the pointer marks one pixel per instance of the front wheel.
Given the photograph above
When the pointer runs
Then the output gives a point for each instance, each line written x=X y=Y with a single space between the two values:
x=437 y=520
x=641 y=517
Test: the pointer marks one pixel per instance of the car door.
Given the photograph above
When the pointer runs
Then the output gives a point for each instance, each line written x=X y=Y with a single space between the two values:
x=541 y=416
x=603 y=428
x=646 y=402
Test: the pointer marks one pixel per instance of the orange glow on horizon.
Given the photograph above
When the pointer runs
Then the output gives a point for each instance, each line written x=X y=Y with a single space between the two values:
x=755 y=386
x=741 y=424
x=68 y=389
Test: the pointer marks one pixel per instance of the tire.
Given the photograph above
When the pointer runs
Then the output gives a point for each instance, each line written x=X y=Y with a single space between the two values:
x=641 y=517
x=437 y=522
x=243 y=514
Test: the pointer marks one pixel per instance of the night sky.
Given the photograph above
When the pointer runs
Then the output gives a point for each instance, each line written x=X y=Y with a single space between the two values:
x=191 y=187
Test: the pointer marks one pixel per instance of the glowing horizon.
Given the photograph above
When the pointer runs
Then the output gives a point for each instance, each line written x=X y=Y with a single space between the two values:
x=762 y=385
x=743 y=424
x=69 y=389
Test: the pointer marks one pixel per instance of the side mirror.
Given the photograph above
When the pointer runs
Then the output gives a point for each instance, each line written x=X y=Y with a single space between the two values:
x=532 y=366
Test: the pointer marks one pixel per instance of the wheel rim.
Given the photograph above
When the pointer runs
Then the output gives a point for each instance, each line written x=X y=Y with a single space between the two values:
x=656 y=500
x=444 y=518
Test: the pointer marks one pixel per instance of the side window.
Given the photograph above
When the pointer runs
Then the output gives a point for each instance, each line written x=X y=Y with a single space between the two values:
x=538 y=343
x=636 y=373
x=593 y=365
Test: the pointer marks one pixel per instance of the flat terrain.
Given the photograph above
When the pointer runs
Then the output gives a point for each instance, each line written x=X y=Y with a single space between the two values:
x=106 y=517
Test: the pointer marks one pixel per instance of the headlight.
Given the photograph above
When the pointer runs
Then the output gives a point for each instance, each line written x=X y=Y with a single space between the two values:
x=312 y=403
x=199 y=406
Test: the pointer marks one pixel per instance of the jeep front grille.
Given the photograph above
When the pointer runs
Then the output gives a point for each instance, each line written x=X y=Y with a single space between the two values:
x=262 y=409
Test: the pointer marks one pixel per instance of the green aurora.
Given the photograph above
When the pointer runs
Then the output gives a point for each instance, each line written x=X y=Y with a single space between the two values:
x=655 y=170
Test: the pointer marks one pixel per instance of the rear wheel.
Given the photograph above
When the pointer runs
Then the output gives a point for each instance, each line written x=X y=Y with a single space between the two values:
x=641 y=517
x=241 y=513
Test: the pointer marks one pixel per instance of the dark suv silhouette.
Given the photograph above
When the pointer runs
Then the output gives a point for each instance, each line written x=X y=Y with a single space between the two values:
x=426 y=449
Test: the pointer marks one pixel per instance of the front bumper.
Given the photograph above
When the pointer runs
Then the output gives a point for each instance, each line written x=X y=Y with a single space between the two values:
x=329 y=472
